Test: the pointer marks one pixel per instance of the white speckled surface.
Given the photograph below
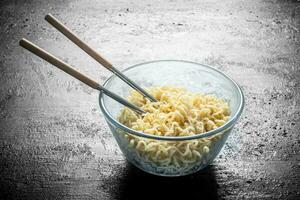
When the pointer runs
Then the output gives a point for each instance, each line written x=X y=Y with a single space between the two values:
x=54 y=142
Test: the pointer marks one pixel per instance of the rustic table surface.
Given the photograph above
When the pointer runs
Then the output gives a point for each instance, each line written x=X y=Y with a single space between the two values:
x=54 y=142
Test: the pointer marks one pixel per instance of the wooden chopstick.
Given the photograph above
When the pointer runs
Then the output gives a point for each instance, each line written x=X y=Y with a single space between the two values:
x=75 y=73
x=75 y=39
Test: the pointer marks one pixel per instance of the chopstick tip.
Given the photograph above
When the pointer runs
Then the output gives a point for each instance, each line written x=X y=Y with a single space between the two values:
x=48 y=16
x=22 y=41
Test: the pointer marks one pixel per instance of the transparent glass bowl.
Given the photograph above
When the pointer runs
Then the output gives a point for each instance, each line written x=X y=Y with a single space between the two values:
x=196 y=78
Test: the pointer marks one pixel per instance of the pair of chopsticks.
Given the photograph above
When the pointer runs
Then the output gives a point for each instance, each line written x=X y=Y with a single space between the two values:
x=75 y=73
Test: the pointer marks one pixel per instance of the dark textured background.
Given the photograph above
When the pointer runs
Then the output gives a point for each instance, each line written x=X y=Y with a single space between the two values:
x=54 y=143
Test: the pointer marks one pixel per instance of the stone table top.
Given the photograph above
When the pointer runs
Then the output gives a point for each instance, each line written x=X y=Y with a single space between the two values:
x=54 y=142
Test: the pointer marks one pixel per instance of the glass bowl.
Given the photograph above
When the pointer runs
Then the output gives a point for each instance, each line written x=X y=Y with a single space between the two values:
x=196 y=78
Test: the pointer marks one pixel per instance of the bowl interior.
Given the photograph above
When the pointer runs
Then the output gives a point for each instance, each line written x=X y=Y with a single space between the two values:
x=193 y=76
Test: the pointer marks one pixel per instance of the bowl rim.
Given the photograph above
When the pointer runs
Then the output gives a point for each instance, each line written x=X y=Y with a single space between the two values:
x=220 y=129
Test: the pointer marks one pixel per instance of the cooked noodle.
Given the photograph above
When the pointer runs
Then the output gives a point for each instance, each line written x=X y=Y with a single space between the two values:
x=177 y=113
